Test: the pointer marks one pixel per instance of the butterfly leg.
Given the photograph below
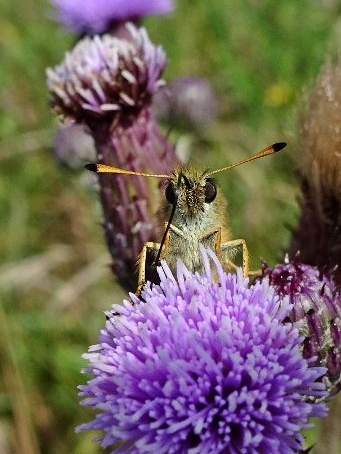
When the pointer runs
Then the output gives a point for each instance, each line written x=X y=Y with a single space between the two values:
x=233 y=244
x=147 y=262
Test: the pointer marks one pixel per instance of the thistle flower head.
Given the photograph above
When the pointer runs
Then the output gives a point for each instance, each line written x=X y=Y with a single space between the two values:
x=72 y=146
x=106 y=83
x=201 y=367
x=188 y=101
x=96 y=16
x=107 y=77
x=316 y=312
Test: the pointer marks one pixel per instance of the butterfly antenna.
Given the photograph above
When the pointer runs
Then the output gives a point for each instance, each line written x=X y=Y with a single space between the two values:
x=103 y=168
x=274 y=148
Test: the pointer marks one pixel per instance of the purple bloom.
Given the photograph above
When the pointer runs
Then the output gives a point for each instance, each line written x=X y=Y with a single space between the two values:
x=107 y=84
x=201 y=367
x=72 y=146
x=107 y=77
x=96 y=16
x=316 y=312
x=188 y=101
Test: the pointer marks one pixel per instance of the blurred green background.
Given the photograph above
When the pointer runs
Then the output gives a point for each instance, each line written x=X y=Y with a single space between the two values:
x=54 y=281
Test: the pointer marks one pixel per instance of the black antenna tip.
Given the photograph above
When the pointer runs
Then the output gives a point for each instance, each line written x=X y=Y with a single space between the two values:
x=279 y=146
x=91 y=167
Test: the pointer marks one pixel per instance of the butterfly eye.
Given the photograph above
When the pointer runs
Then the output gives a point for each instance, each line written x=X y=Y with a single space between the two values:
x=170 y=194
x=210 y=191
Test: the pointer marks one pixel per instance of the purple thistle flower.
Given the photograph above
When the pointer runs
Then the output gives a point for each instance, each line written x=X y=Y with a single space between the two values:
x=97 y=16
x=316 y=312
x=107 y=78
x=107 y=84
x=201 y=367
x=72 y=146
x=188 y=101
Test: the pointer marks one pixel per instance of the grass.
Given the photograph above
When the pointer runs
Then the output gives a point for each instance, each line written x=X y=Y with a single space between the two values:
x=53 y=274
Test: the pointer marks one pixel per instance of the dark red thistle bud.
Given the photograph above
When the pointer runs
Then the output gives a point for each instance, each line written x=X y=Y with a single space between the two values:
x=316 y=311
